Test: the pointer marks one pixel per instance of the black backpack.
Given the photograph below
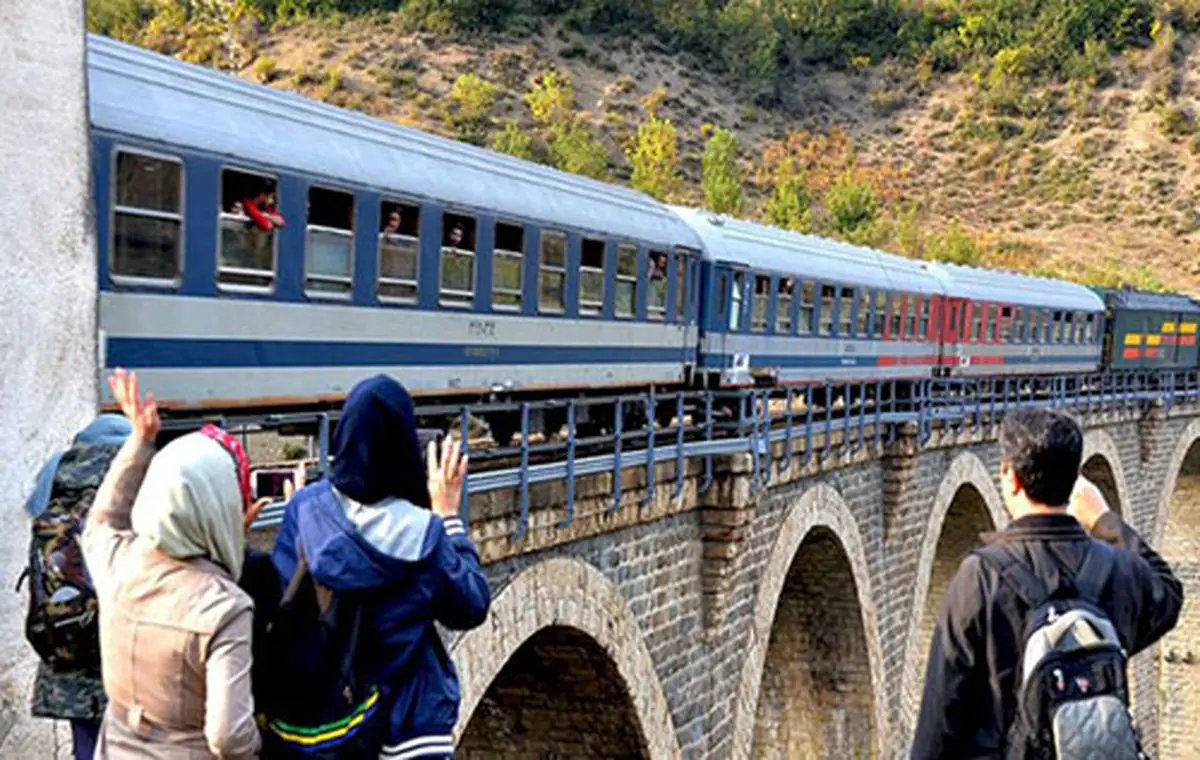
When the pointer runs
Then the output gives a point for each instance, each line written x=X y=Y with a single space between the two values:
x=309 y=691
x=1072 y=689
x=60 y=621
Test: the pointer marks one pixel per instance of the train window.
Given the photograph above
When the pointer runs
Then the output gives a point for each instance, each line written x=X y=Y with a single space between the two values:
x=249 y=218
x=976 y=322
x=625 y=296
x=457 y=280
x=1047 y=327
x=807 y=302
x=147 y=217
x=762 y=298
x=681 y=282
x=1068 y=328
x=1091 y=328
x=897 y=315
x=508 y=258
x=1035 y=326
x=825 y=321
x=846 y=315
x=656 y=307
x=591 y=277
x=1018 y=325
x=926 y=308
x=735 y=310
x=1006 y=324
x=864 y=313
x=911 y=315
x=552 y=272
x=399 y=251
x=783 y=306
x=329 y=243
x=881 y=303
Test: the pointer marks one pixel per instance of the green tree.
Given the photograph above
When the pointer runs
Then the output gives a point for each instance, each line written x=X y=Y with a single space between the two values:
x=575 y=148
x=514 y=141
x=851 y=203
x=473 y=98
x=955 y=246
x=551 y=100
x=655 y=158
x=722 y=179
x=790 y=205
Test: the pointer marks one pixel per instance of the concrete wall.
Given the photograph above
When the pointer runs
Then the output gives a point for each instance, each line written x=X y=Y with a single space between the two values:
x=47 y=301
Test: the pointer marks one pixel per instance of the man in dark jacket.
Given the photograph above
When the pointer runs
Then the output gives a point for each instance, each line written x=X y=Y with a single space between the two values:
x=379 y=523
x=970 y=680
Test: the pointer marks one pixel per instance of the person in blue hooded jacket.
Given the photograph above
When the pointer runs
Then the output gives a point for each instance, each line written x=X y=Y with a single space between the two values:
x=380 y=523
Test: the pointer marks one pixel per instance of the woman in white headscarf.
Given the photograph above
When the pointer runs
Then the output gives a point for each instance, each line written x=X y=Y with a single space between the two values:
x=175 y=629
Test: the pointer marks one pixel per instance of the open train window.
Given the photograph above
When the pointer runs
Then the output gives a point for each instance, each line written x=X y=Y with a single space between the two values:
x=552 y=272
x=807 y=303
x=591 y=277
x=399 y=251
x=249 y=222
x=735 y=304
x=881 y=302
x=863 y=321
x=846 y=313
x=329 y=243
x=147 y=218
x=762 y=298
x=825 y=321
x=457 y=286
x=910 y=316
x=625 y=296
x=783 y=306
x=681 y=284
x=508 y=257
x=656 y=307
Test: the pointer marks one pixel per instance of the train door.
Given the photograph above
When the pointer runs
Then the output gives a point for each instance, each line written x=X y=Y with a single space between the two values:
x=953 y=316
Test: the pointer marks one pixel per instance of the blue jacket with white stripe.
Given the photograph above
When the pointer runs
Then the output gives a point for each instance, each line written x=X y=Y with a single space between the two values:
x=416 y=569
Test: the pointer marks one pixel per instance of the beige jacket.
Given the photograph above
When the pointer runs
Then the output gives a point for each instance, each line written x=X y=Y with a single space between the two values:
x=174 y=637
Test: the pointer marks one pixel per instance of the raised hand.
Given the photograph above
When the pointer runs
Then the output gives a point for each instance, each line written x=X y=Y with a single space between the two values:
x=446 y=475
x=252 y=513
x=1087 y=503
x=143 y=415
x=299 y=478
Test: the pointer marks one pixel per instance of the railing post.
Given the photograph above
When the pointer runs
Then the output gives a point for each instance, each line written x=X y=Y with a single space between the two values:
x=570 y=516
x=523 y=520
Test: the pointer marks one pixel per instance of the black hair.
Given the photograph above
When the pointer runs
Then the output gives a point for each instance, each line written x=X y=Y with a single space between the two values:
x=1045 y=450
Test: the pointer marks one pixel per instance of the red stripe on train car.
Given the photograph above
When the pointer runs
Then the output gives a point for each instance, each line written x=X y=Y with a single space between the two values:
x=1187 y=340
x=1132 y=353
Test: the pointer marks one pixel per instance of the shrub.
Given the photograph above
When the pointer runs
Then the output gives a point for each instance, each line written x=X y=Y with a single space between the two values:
x=473 y=99
x=851 y=203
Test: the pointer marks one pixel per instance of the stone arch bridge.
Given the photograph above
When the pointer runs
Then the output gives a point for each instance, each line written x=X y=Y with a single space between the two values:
x=786 y=620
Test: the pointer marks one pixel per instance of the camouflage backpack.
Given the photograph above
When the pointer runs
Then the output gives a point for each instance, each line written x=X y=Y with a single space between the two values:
x=61 y=620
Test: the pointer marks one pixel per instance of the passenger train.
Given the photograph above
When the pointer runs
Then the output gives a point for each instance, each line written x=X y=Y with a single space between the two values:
x=472 y=275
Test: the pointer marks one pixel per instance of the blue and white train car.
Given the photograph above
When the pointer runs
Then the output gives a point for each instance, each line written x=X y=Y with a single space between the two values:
x=461 y=271
x=1002 y=323
x=786 y=308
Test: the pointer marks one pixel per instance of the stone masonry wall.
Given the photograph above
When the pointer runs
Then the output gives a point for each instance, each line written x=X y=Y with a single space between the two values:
x=784 y=618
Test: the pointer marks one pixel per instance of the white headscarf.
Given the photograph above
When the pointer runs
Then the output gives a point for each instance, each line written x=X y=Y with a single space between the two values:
x=190 y=504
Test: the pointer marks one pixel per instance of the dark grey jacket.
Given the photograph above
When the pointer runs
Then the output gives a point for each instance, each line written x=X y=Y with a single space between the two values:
x=970 y=679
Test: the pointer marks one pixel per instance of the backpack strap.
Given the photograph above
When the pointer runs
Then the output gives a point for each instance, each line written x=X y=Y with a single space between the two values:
x=1015 y=574
x=1097 y=565
x=293 y=587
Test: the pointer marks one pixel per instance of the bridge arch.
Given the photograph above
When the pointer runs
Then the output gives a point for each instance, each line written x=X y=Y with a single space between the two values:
x=562 y=623
x=966 y=504
x=801 y=634
x=1177 y=521
x=1102 y=465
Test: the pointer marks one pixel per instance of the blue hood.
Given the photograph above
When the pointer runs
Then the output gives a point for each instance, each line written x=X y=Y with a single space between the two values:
x=376 y=454
x=109 y=429
x=353 y=546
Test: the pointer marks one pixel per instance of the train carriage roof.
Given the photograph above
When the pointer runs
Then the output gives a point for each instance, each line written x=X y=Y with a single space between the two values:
x=1138 y=300
x=156 y=98
x=1007 y=287
x=758 y=246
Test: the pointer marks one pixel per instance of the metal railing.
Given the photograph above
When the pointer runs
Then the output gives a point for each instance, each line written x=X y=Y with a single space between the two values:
x=775 y=426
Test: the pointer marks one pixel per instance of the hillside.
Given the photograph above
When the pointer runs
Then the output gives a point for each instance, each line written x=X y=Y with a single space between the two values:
x=1093 y=176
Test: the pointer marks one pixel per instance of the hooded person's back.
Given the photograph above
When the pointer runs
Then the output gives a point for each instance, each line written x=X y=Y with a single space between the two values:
x=368 y=529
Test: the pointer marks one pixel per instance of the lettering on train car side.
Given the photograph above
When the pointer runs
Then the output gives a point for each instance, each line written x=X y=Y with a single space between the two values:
x=481 y=328
x=482 y=352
